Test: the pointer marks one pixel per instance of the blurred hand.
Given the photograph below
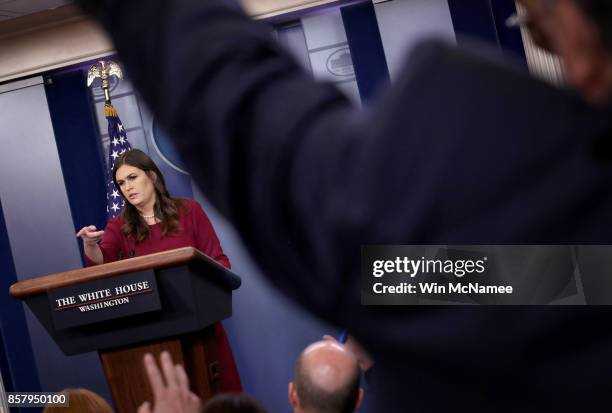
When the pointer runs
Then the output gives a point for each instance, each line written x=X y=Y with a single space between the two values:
x=90 y=235
x=171 y=392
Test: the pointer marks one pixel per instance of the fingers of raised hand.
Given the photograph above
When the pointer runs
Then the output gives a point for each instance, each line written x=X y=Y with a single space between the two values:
x=169 y=370
x=97 y=235
x=190 y=400
x=90 y=236
x=194 y=400
x=88 y=230
x=154 y=375
x=192 y=404
x=170 y=386
x=145 y=408
x=84 y=230
x=181 y=377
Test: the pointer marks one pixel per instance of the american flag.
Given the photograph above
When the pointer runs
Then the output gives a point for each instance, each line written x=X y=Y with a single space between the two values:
x=118 y=144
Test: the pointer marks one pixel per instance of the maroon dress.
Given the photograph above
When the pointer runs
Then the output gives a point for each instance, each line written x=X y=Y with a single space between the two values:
x=195 y=230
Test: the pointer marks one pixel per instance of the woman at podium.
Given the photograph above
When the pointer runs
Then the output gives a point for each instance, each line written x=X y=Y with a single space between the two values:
x=153 y=221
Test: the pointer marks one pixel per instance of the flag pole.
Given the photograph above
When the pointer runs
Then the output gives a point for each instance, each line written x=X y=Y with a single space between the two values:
x=118 y=142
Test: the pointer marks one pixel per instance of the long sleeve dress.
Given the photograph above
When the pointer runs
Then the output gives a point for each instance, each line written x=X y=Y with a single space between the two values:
x=195 y=230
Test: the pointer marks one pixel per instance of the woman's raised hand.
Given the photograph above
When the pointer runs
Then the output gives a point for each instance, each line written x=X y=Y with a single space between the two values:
x=90 y=235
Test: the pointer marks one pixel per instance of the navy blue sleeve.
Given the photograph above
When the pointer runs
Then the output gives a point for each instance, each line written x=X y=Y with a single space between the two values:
x=452 y=154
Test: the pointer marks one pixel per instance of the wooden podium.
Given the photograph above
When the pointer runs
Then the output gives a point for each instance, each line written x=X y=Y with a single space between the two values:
x=165 y=301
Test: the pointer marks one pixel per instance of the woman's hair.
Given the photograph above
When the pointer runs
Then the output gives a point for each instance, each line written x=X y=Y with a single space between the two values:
x=232 y=403
x=81 y=401
x=166 y=208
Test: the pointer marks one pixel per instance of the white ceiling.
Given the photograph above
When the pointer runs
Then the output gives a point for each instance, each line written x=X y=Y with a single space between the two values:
x=15 y=8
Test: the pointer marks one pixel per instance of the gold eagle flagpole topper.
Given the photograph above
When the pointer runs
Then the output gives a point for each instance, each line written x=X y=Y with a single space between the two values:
x=104 y=70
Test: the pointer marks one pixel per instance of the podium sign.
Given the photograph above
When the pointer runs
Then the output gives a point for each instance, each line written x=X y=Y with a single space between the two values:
x=105 y=299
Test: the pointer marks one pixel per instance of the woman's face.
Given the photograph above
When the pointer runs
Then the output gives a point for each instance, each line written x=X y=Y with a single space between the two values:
x=136 y=186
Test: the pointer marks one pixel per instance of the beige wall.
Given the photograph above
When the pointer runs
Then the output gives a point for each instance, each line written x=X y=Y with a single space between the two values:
x=268 y=8
x=48 y=40
x=62 y=37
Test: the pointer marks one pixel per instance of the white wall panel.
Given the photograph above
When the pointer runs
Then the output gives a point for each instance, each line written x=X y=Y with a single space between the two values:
x=39 y=222
x=404 y=23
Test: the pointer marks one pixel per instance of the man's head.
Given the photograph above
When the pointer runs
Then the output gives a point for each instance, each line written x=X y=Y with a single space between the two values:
x=326 y=380
x=580 y=32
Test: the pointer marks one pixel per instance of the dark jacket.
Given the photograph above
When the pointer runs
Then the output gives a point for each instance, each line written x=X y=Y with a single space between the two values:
x=459 y=150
